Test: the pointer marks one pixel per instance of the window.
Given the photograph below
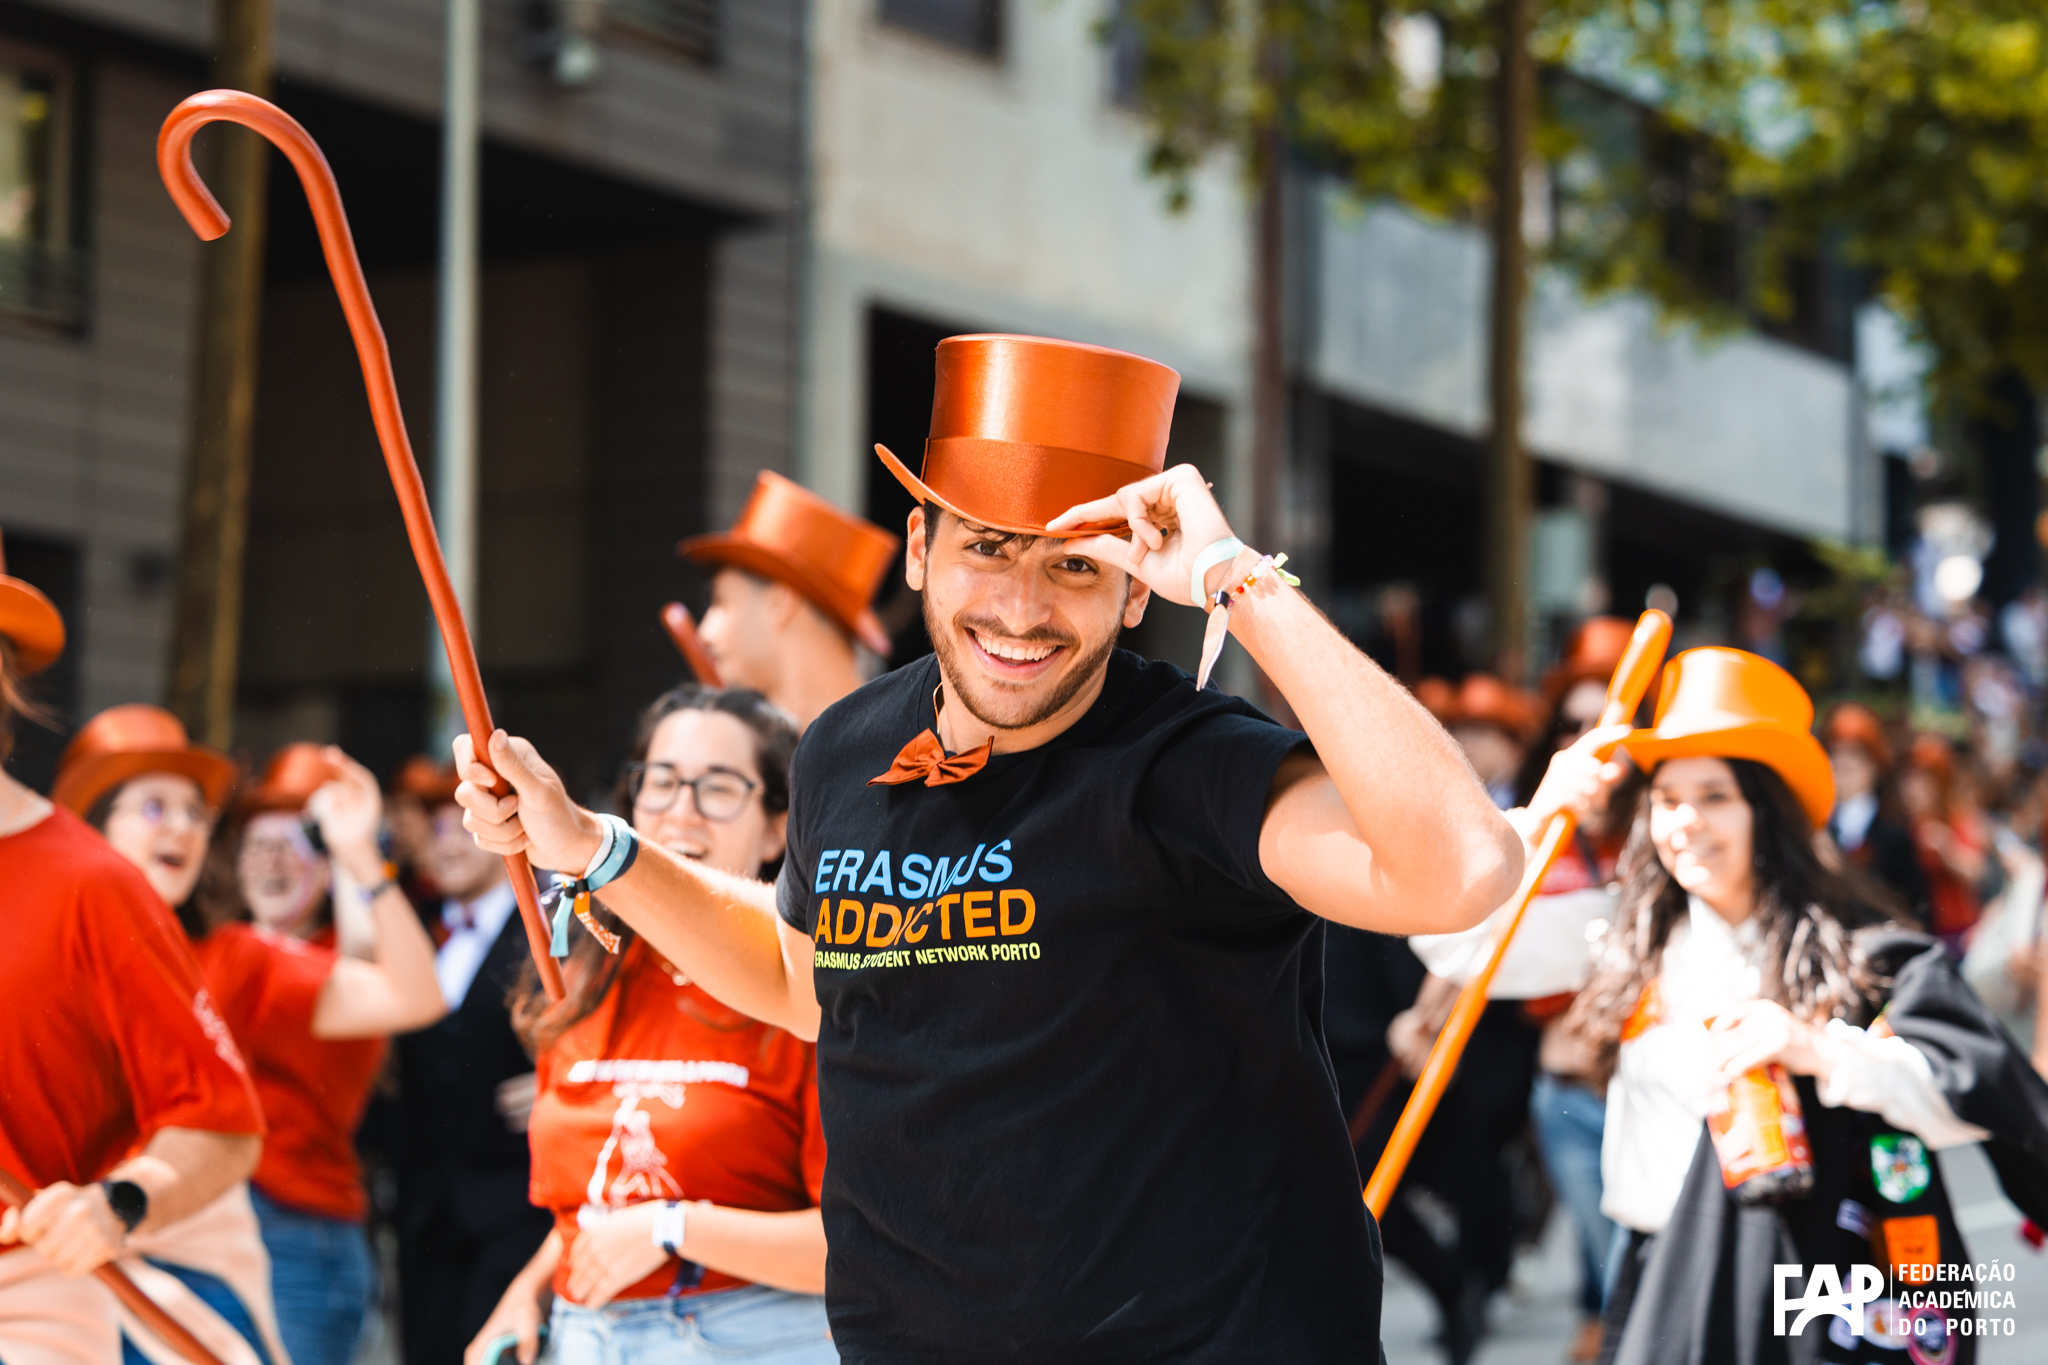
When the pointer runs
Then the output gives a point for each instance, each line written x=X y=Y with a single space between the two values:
x=41 y=273
x=688 y=26
x=974 y=25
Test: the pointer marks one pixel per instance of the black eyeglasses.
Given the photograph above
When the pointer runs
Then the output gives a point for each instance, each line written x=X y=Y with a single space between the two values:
x=720 y=793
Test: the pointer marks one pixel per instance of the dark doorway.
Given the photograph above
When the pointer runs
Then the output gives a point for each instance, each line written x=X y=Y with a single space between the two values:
x=901 y=380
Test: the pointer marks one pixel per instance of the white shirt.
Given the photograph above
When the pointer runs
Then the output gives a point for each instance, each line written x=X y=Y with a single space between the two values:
x=1852 y=820
x=472 y=929
x=1663 y=1080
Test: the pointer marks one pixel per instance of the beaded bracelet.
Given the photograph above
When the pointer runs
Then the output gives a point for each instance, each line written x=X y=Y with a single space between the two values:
x=1219 y=613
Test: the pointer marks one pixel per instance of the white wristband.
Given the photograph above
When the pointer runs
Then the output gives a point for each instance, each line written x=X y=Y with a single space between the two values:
x=668 y=1228
x=1222 y=552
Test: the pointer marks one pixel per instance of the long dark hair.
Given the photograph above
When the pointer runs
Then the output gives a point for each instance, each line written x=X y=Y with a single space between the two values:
x=589 y=973
x=216 y=897
x=1809 y=913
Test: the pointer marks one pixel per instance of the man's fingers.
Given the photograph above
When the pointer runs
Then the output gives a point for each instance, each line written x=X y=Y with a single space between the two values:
x=1087 y=514
x=1113 y=550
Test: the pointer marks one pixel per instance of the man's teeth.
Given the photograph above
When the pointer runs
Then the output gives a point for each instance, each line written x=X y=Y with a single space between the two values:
x=1023 y=654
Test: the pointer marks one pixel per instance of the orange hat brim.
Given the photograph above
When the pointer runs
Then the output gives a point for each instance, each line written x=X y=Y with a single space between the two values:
x=922 y=491
x=83 y=784
x=1787 y=750
x=32 y=622
x=741 y=553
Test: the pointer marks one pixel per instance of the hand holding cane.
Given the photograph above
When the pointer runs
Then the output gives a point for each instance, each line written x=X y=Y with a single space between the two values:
x=1631 y=680
x=681 y=629
x=147 y=1311
x=204 y=214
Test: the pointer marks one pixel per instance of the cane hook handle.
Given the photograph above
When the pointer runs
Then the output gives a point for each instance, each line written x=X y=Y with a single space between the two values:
x=204 y=213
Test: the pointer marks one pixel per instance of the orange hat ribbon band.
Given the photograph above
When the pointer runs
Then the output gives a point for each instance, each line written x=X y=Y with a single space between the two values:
x=1032 y=483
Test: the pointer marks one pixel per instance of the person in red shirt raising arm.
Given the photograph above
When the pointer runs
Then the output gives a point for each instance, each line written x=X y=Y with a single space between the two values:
x=310 y=1020
x=676 y=1142
x=1052 y=911
x=111 y=1041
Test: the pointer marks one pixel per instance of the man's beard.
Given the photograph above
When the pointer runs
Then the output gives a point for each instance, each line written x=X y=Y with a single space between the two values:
x=1078 y=675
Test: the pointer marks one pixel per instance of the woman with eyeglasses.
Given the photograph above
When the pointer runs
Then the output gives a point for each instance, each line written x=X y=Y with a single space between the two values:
x=310 y=1020
x=676 y=1141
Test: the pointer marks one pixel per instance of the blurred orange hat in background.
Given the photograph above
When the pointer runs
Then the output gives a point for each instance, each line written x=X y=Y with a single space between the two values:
x=1851 y=722
x=294 y=773
x=30 y=620
x=790 y=534
x=1934 y=753
x=124 y=742
x=1592 y=654
x=1484 y=699
x=1025 y=427
x=433 y=783
x=1438 y=698
x=1728 y=703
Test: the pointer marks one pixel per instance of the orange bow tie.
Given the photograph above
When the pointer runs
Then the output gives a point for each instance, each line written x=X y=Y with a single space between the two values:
x=924 y=760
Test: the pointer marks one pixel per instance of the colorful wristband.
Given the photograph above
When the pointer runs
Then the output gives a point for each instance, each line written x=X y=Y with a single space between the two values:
x=1222 y=552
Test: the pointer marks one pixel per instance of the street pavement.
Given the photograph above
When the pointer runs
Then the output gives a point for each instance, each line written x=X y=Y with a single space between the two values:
x=1533 y=1321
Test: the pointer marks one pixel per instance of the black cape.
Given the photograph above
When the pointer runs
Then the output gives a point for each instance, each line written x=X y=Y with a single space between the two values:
x=1701 y=1291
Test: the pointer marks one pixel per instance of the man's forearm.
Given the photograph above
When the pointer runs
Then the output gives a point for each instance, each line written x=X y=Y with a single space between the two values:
x=719 y=930
x=1435 y=837
x=182 y=1170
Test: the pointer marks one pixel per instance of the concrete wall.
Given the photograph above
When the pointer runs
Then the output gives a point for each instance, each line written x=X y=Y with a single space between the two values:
x=1001 y=194
x=1743 y=425
x=92 y=425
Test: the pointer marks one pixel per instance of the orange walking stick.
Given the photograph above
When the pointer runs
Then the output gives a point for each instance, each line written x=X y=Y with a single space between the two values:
x=147 y=1310
x=683 y=631
x=1624 y=693
x=204 y=213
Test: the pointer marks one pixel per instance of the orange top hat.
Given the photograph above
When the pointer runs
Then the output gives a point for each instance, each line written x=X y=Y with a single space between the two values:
x=1727 y=703
x=1851 y=722
x=790 y=534
x=30 y=620
x=1591 y=655
x=296 y=771
x=1483 y=699
x=1025 y=427
x=123 y=742
x=433 y=783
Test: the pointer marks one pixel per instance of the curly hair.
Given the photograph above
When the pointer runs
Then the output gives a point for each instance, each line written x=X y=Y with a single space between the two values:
x=589 y=972
x=1809 y=913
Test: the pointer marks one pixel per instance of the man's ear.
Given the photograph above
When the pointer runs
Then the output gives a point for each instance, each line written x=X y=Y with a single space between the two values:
x=913 y=549
x=781 y=602
x=1135 y=604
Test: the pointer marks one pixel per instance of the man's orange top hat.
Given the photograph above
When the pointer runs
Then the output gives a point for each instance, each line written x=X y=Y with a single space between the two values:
x=1025 y=427
x=790 y=534
x=1591 y=655
x=1727 y=703
x=124 y=742
x=433 y=783
x=30 y=620
x=1851 y=722
x=296 y=771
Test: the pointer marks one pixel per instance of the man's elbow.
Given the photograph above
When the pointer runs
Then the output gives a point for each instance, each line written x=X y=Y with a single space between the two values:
x=1492 y=870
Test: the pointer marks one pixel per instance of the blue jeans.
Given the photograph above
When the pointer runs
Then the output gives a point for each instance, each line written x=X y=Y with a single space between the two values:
x=753 y=1322
x=320 y=1278
x=1569 y=1122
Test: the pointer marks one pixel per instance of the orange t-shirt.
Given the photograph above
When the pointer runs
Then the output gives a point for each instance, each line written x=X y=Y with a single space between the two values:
x=112 y=1033
x=663 y=1093
x=313 y=1089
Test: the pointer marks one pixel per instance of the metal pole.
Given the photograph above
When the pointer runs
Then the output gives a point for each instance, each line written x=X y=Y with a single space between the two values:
x=1509 y=475
x=455 y=474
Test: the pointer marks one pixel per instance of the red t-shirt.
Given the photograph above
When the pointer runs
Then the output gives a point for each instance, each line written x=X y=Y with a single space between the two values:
x=111 y=1032
x=663 y=1093
x=313 y=1089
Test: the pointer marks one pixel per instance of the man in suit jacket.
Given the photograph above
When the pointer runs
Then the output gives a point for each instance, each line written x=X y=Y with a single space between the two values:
x=465 y=1226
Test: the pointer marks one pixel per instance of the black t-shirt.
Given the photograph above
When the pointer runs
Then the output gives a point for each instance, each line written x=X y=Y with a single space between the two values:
x=1072 y=1066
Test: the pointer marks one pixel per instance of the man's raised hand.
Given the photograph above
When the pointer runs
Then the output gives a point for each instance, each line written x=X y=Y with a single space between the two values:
x=536 y=817
x=1173 y=517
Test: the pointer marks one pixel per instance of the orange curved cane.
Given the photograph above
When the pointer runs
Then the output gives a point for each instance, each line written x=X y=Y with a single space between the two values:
x=1624 y=693
x=681 y=629
x=147 y=1311
x=204 y=213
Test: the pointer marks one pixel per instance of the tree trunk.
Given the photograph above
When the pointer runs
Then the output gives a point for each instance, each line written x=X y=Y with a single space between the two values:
x=1508 y=477
x=216 y=513
x=1269 y=394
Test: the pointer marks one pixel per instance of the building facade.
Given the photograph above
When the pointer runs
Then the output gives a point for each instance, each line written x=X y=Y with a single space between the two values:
x=639 y=308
